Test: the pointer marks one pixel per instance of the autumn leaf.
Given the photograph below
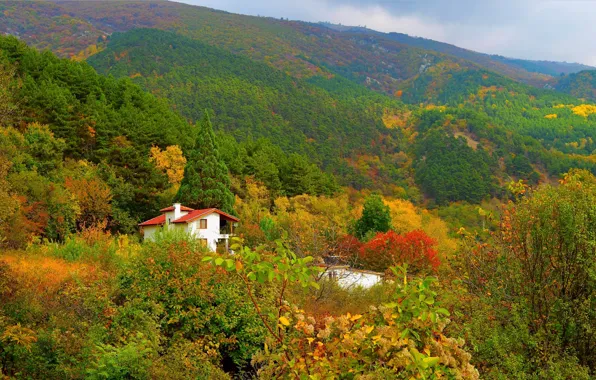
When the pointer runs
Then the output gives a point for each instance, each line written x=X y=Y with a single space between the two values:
x=284 y=321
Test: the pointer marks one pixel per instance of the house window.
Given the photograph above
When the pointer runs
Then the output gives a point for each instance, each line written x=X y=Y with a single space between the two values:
x=203 y=242
x=203 y=224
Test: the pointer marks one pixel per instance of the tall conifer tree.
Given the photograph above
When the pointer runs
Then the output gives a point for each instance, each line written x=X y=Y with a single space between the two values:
x=206 y=181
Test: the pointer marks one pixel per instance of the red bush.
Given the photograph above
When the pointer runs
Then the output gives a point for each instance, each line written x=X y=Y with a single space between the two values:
x=347 y=247
x=415 y=248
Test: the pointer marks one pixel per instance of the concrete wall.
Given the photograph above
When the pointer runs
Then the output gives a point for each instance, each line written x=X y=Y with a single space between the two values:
x=349 y=278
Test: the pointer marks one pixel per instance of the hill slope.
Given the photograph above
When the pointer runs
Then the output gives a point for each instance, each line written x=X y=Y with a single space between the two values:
x=528 y=71
x=580 y=85
x=333 y=122
x=379 y=61
x=303 y=86
x=368 y=139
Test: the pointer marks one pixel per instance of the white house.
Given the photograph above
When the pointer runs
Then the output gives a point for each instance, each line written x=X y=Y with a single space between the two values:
x=211 y=225
x=350 y=278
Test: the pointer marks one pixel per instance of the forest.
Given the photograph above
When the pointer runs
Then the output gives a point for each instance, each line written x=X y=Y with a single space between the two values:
x=470 y=192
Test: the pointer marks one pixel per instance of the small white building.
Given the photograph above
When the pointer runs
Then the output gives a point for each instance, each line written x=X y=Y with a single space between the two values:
x=211 y=226
x=350 y=278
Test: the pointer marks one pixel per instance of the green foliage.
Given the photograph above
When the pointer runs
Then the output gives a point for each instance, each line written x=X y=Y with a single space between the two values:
x=130 y=361
x=108 y=122
x=206 y=182
x=449 y=170
x=376 y=217
x=399 y=339
x=580 y=85
x=539 y=274
x=289 y=175
x=190 y=300
x=251 y=100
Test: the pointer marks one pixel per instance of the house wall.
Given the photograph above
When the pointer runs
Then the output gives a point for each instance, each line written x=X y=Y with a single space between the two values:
x=170 y=217
x=211 y=233
x=348 y=278
x=149 y=232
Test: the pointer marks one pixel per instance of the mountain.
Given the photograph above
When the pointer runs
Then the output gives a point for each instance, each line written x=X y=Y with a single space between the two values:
x=333 y=122
x=580 y=85
x=46 y=25
x=367 y=139
x=528 y=71
x=379 y=61
x=361 y=106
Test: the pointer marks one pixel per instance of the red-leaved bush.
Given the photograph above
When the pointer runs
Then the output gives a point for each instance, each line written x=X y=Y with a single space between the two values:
x=347 y=247
x=415 y=248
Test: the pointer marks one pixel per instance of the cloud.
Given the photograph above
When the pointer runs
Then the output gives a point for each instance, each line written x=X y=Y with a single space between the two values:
x=532 y=29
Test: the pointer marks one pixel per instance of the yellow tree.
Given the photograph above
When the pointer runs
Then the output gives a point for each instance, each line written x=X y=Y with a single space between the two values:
x=171 y=162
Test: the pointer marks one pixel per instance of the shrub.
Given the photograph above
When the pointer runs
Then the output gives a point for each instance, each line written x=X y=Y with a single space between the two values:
x=414 y=248
x=189 y=299
x=400 y=339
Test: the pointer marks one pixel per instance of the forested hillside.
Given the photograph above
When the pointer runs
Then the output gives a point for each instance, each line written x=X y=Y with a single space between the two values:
x=537 y=73
x=377 y=60
x=579 y=85
x=465 y=194
x=68 y=131
x=334 y=123
x=364 y=138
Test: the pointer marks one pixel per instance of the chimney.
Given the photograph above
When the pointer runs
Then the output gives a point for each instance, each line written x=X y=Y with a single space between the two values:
x=177 y=212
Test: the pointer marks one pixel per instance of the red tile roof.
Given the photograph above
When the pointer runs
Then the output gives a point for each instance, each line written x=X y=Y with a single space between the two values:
x=171 y=208
x=228 y=216
x=158 y=220
x=198 y=213
x=192 y=215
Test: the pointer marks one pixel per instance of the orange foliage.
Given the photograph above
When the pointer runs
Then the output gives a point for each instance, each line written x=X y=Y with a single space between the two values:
x=29 y=221
x=44 y=275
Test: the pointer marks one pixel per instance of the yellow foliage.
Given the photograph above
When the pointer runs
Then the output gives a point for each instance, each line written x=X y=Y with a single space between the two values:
x=406 y=217
x=313 y=223
x=395 y=119
x=551 y=116
x=584 y=110
x=86 y=53
x=435 y=107
x=171 y=161
x=255 y=204
x=284 y=321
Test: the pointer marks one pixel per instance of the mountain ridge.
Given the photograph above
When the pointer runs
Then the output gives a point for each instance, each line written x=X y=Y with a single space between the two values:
x=300 y=48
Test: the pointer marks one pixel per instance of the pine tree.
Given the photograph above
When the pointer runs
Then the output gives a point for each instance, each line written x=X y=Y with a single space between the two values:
x=376 y=217
x=206 y=181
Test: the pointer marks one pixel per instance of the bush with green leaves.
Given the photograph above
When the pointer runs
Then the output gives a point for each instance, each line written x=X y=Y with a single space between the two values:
x=376 y=217
x=534 y=284
x=190 y=300
x=398 y=339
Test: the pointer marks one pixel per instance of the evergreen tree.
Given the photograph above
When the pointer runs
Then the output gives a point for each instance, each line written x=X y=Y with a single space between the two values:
x=375 y=217
x=206 y=181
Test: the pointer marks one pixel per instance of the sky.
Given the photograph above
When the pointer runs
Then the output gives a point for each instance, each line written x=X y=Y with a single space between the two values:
x=558 y=30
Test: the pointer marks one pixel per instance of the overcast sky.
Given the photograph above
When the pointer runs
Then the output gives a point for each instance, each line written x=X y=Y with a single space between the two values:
x=561 y=30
